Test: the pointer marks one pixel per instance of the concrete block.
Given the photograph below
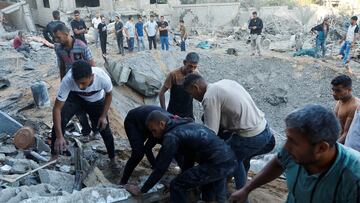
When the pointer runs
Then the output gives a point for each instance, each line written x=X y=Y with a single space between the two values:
x=8 y=125
x=2 y=157
x=95 y=177
x=8 y=149
x=57 y=179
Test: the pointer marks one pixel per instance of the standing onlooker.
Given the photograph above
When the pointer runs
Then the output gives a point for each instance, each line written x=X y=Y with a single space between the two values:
x=351 y=36
x=95 y=22
x=119 y=27
x=322 y=32
x=103 y=35
x=49 y=30
x=255 y=26
x=78 y=26
x=139 y=26
x=20 y=45
x=151 y=28
x=183 y=35
x=164 y=33
x=130 y=33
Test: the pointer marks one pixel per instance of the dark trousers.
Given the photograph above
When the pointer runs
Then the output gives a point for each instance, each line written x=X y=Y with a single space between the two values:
x=182 y=45
x=103 y=40
x=152 y=41
x=138 y=150
x=93 y=109
x=210 y=177
x=130 y=42
x=120 y=43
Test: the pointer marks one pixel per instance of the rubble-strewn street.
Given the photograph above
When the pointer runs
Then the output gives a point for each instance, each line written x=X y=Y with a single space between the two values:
x=277 y=81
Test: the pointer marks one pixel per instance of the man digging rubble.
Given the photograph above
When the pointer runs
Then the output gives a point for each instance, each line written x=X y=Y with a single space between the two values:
x=138 y=133
x=197 y=144
x=255 y=27
x=181 y=103
x=227 y=105
x=69 y=50
x=92 y=89
x=317 y=168
x=346 y=103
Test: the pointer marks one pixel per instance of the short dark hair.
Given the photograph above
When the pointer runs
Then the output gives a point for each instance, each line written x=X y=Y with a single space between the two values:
x=192 y=79
x=316 y=123
x=140 y=17
x=354 y=18
x=181 y=21
x=130 y=17
x=62 y=28
x=56 y=14
x=81 y=69
x=343 y=80
x=156 y=116
x=76 y=12
x=117 y=17
x=151 y=16
x=254 y=13
x=161 y=16
x=192 y=57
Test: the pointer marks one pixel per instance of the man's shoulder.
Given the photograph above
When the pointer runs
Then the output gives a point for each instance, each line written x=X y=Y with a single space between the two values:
x=350 y=161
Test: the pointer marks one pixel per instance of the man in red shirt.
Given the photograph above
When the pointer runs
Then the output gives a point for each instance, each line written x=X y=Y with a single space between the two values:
x=19 y=43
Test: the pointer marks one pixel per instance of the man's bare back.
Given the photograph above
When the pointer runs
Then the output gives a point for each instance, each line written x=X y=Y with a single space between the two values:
x=345 y=112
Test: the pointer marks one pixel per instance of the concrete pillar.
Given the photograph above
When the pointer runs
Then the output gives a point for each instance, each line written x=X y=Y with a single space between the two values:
x=28 y=18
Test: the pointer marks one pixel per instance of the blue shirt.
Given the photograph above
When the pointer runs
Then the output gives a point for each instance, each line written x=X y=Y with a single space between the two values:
x=140 y=29
x=340 y=183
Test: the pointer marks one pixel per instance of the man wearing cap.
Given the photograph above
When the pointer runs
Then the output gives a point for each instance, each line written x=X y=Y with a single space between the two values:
x=322 y=32
x=181 y=103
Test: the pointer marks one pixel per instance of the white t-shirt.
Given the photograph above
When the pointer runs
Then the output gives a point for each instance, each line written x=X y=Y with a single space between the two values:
x=151 y=28
x=351 y=32
x=96 y=21
x=131 y=28
x=95 y=92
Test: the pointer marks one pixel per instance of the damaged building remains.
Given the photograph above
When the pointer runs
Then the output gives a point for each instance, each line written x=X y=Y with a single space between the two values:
x=210 y=91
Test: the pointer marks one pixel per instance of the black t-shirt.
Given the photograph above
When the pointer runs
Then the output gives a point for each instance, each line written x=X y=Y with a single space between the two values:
x=78 y=25
x=102 y=29
x=163 y=24
x=118 y=26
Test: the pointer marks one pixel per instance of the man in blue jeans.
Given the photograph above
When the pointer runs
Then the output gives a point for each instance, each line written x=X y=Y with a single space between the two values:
x=351 y=36
x=322 y=32
x=139 y=27
x=164 y=33
x=228 y=106
x=130 y=33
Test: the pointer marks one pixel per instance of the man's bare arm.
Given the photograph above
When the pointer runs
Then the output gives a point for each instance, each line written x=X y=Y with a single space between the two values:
x=62 y=69
x=57 y=117
x=271 y=171
x=346 y=127
x=162 y=97
x=107 y=103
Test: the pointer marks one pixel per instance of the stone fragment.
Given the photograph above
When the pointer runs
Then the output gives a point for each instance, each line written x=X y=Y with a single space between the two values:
x=95 y=177
x=57 y=179
x=8 y=149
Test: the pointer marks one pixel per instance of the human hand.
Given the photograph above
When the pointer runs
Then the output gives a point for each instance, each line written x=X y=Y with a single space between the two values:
x=60 y=145
x=239 y=196
x=102 y=123
x=133 y=189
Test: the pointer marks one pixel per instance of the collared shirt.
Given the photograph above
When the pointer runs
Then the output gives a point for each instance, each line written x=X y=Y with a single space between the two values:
x=78 y=51
x=340 y=183
x=95 y=92
x=151 y=28
x=227 y=104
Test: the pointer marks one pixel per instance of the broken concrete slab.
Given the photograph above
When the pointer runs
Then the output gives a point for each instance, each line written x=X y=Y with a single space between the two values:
x=57 y=179
x=27 y=192
x=8 y=149
x=5 y=168
x=95 y=177
x=2 y=157
x=29 y=65
x=8 y=125
x=20 y=166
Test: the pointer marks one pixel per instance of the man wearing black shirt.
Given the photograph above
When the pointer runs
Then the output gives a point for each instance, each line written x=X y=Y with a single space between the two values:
x=163 y=29
x=255 y=26
x=119 y=27
x=49 y=30
x=103 y=35
x=78 y=26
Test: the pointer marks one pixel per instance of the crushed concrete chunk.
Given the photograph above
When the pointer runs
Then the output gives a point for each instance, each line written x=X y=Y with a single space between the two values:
x=95 y=177
x=57 y=179
x=2 y=157
x=8 y=149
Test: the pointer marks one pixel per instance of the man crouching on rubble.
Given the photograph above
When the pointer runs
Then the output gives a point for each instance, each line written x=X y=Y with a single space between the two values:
x=317 y=168
x=92 y=88
x=198 y=144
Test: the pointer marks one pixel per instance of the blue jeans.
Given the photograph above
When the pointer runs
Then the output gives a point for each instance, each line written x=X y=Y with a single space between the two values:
x=130 y=42
x=164 y=42
x=345 y=51
x=182 y=45
x=320 y=45
x=140 y=43
x=246 y=148
x=211 y=178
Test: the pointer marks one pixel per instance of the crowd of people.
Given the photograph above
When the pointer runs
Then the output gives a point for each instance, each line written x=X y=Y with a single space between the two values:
x=320 y=157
